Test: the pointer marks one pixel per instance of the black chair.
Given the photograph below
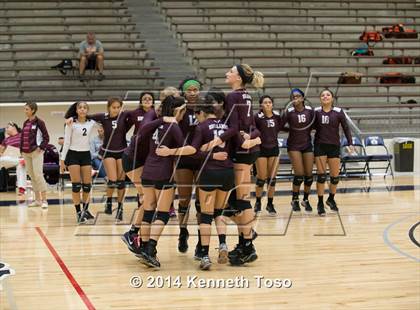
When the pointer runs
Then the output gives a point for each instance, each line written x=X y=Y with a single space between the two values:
x=377 y=142
x=350 y=163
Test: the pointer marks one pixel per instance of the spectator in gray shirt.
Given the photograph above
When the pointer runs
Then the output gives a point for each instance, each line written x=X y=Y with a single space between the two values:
x=91 y=53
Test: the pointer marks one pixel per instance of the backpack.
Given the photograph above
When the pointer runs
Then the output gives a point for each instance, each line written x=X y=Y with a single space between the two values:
x=401 y=60
x=371 y=36
x=398 y=31
x=64 y=66
x=363 y=50
x=51 y=166
x=396 y=78
x=350 y=78
x=51 y=155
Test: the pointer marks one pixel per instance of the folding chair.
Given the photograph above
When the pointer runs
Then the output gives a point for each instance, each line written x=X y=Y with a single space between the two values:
x=350 y=162
x=377 y=142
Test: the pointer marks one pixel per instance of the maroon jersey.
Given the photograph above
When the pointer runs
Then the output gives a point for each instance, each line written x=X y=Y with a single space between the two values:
x=115 y=130
x=269 y=128
x=159 y=168
x=327 y=126
x=299 y=139
x=139 y=143
x=240 y=118
x=206 y=132
x=135 y=117
x=188 y=125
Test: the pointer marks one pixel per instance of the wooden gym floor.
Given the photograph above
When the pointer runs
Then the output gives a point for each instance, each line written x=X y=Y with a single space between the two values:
x=367 y=257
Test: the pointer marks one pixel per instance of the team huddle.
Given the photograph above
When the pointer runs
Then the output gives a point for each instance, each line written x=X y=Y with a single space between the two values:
x=208 y=144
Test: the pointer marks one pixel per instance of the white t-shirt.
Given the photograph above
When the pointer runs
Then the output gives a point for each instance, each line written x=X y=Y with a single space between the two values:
x=77 y=137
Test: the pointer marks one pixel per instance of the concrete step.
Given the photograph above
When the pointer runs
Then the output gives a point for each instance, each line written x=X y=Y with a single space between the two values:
x=160 y=41
x=76 y=35
x=352 y=44
x=46 y=20
x=47 y=63
x=390 y=5
x=86 y=26
x=25 y=72
x=69 y=44
x=58 y=11
x=63 y=53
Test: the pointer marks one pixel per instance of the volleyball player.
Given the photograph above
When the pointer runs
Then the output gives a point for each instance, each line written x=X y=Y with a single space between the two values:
x=218 y=100
x=328 y=118
x=115 y=126
x=269 y=123
x=169 y=91
x=76 y=156
x=300 y=118
x=137 y=153
x=133 y=160
x=188 y=166
x=242 y=127
x=157 y=178
x=216 y=177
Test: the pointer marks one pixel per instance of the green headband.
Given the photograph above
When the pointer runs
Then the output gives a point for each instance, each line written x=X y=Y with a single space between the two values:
x=189 y=83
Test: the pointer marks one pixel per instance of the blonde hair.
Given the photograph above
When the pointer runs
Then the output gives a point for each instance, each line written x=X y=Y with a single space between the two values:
x=258 y=79
x=168 y=91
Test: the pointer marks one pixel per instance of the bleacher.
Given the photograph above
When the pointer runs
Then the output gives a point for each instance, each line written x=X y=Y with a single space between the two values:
x=36 y=35
x=292 y=41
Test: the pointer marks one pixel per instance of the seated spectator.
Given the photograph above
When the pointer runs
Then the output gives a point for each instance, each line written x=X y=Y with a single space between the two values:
x=95 y=146
x=91 y=53
x=60 y=142
x=10 y=155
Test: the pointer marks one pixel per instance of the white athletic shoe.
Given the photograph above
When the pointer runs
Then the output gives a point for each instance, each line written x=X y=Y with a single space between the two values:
x=44 y=205
x=4 y=273
x=223 y=254
x=34 y=203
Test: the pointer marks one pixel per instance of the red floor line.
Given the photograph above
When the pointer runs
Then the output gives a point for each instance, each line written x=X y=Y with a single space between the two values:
x=66 y=271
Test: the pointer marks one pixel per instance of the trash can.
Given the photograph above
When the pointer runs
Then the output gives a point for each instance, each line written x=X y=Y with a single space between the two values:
x=404 y=154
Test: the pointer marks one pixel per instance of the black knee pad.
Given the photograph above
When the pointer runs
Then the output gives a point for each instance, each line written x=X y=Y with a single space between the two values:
x=148 y=216
x=243 y=205
x=217 y=213
x=308 y=180
x=86 y=187
x=182 y=210
x=260 y=182
x=297 y=180
x=197 y=206
x=120 y=184
x=162 y=216
x=206 y=218
x=334 y=180
x=272 y=182
x=76 y=187
x=111 y=184
x=321 y=178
